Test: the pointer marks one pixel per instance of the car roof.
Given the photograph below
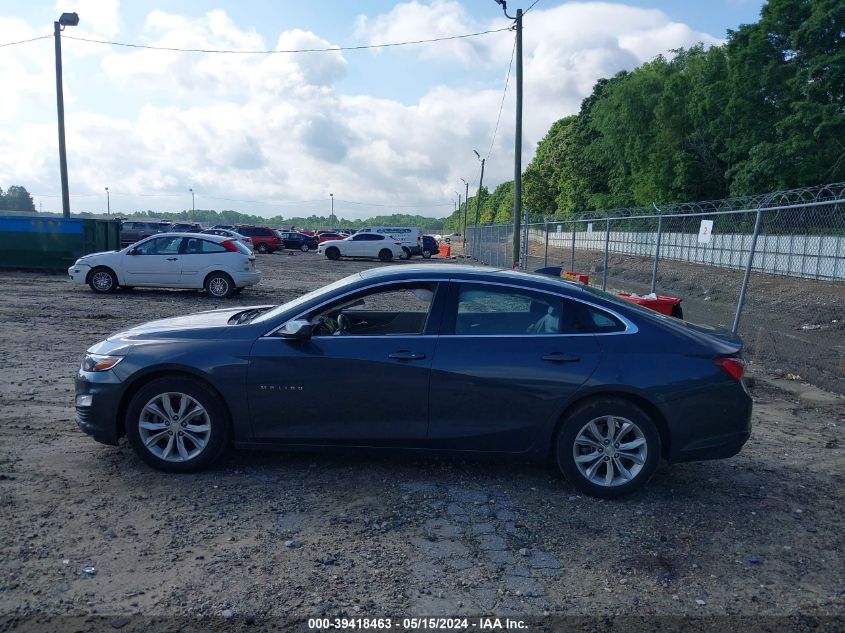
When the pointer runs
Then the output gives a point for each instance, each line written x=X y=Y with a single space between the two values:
x=206 y=236
x=465 y=271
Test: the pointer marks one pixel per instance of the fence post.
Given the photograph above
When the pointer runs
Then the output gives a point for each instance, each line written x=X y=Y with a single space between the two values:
x=524 y=263
x=747 y=275
x=546 y=251
x=572 y=256
x=656 y=253
x=606 y=251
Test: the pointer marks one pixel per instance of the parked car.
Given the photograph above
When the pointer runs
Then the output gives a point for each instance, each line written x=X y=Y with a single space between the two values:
x=265 y=239
x=410 y=237
x=223 y=226
x=299 y=241
x=328 y=236
x=602 y=385
x=220 y=265
x=131 y=231
x=453 y=236
x=187 y=227
x=233 y=235
x=429 y=246
x=368 y=245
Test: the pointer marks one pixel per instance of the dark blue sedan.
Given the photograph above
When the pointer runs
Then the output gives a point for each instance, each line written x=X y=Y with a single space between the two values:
x=442 y=358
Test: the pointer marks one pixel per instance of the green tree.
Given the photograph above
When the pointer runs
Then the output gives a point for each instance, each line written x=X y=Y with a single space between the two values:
x=17 y=198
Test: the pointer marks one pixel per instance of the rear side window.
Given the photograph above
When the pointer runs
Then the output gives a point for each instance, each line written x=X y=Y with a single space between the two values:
x=196 y=246
x=246 y=231
x=487 y=310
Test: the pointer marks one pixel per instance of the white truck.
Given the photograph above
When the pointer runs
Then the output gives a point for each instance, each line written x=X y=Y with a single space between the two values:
x=409 y=237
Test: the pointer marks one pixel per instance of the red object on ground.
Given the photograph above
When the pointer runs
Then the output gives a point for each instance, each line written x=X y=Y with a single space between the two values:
x=445 y=250
x=584 y=279
x=663 y=304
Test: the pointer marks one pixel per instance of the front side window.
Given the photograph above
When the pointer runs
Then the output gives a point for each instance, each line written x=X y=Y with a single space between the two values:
x=398 y=310
x=159 y=246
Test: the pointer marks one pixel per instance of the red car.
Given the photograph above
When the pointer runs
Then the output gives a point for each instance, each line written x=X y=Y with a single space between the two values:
x=264 y=239
x=327 y=237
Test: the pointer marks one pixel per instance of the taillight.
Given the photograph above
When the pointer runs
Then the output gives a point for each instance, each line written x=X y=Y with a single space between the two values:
x=733 y=367
x=398 y=243
x=229 y=246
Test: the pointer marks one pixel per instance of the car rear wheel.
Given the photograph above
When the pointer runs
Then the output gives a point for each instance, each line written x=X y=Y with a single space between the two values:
x=406 y=252
x=102 y=280
x=426 y=253
x=262 y=248
x=219 y=285
x=177 y=424
x=333 y=253
x=303 y=247
x=385 y=255
x=608 y=447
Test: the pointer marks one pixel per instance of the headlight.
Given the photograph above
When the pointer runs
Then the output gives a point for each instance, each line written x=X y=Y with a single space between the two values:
x=99 y=362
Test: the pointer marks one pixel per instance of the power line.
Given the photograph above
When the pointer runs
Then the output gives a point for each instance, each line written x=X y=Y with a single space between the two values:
x=32 y=39
x=531 y=7
x=502 y=104
x=276 y=51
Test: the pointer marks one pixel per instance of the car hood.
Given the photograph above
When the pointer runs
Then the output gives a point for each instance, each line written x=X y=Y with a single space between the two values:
x=200 y=326
x=91 y=256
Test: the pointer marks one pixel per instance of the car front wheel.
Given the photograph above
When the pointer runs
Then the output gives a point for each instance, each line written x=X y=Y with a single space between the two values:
x=262 y=248
x=333 y=253
x=608 y=447
x=303 y=247
x=102 y=280
x=177 y=424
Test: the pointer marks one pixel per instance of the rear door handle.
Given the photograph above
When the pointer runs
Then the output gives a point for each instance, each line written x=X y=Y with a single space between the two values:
x=404 y=354
x=172 y=259
x=559 y=357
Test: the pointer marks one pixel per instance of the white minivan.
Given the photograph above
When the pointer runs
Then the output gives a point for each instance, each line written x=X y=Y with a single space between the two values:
x=409 y=237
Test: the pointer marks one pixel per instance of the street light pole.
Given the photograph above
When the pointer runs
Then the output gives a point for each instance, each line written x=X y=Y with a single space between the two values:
x=517 y=152
x=193 y=204
x=480 y=182
x=331 y=217
x=66 y=19
x=108 y=202
x=466 y=204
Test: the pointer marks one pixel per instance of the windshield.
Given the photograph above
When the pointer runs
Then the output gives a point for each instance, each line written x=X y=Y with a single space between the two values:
x=290 y=305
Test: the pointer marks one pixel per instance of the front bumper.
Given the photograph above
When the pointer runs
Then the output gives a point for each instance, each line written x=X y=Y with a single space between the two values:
x=78 y=273
x=97 y=398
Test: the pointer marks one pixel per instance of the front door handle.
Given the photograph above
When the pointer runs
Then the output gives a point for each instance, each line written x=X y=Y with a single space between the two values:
x=404 y=354
x=172 y=259
x=559 y=357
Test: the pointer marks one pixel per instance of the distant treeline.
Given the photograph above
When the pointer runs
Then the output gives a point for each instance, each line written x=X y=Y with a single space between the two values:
x=763 y=112
x=16 y=198
x=210 y=217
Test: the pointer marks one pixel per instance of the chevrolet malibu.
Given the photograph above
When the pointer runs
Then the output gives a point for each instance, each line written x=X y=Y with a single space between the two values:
x=221 y=265
x=493 y=361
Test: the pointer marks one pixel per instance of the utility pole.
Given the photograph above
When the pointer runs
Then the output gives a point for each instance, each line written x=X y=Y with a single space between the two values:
x=66 y=19
x=466 y=204
x=193 y=204
x=517 y=153
x=480 y=182
x=331 y=217
x=108 y=202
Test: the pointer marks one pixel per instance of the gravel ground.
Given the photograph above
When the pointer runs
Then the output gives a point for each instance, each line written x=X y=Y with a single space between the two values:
x=293 y=535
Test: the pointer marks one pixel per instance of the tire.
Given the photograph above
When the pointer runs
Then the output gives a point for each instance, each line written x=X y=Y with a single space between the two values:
x=102 y=280
x=407 y=252
x=590 y=476
x=385 y=255
x=262 y=248
x=426 y=253
x=333 y=253
x=219 y=285
x=304 y=247
x=200 y=444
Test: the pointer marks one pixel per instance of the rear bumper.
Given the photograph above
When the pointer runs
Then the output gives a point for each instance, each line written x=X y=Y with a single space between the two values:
x=246 y=279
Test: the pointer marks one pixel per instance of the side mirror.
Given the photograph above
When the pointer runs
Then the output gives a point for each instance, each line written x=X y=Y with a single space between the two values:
x=297 y=329
x=132 y=251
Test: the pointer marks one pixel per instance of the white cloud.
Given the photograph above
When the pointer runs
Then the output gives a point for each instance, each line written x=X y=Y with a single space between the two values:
x=277 y=127
x=97 y=17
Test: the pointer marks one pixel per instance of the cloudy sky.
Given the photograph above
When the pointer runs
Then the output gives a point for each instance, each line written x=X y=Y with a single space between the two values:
x=385 y=130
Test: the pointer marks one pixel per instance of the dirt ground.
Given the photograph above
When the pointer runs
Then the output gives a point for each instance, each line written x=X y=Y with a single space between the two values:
x=291 y=536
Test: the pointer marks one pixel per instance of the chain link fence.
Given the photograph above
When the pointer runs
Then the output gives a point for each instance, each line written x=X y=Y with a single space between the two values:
x=769 y=267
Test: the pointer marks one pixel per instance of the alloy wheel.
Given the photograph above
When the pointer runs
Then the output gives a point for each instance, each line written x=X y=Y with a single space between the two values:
x=174 y=427
x=102 y=281
x=218 y=287
x=610 y=451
